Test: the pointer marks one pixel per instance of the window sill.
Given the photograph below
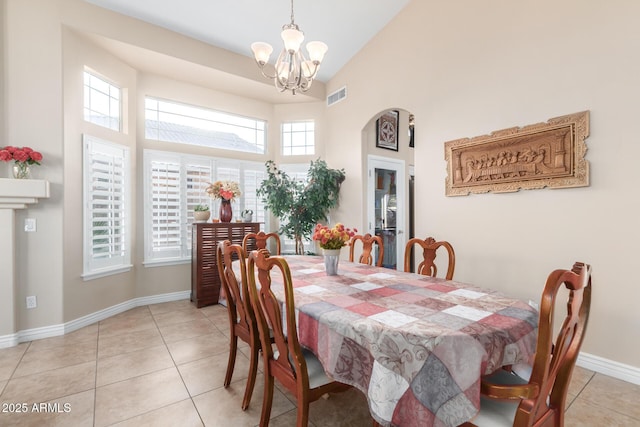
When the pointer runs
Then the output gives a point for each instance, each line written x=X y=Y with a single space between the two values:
x=106 y=272
x=164 y=263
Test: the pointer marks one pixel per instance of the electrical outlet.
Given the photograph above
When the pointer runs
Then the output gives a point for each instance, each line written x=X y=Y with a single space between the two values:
x=32 y=302
x=30 y=225
x=534 y=304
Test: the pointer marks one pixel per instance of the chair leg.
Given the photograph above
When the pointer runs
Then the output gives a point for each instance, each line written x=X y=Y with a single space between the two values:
x=251 y=381
x=233 y=349
x=303 y=412
x=267 y=400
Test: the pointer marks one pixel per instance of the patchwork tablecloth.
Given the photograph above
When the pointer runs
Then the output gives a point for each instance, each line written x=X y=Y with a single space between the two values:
x=415 y=345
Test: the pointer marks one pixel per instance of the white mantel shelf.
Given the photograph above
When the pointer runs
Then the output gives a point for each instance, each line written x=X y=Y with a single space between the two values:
x=18 y=193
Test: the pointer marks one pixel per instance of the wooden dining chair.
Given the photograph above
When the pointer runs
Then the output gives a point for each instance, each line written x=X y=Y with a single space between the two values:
x=297 y=369
x=242 y=321
x=261 y=239
x=367 y=248
x=429 y=247
x=509 y=400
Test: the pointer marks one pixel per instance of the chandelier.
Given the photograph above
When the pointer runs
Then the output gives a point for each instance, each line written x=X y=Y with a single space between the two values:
x=292 y=70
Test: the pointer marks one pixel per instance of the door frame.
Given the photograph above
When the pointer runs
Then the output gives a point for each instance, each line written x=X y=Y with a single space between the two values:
x=379 y=162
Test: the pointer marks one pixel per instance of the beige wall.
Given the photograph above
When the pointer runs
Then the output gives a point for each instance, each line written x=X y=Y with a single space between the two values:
x=33 y=100
x=82 y=297
x=468 y=68
x=463 y=68
x=43 y=102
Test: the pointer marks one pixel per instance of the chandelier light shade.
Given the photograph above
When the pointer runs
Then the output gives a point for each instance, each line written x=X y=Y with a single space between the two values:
x=293 y=70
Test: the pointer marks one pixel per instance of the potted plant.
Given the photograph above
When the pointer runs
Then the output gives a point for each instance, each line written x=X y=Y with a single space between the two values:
x=23 y=157
x=226 y=191
x=201 y=213
x=331 y=240
x=300 y=206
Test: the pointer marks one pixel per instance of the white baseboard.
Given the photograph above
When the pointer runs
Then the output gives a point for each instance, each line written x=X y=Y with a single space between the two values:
x=73 y=325
x=597 y=364
x=610 y=368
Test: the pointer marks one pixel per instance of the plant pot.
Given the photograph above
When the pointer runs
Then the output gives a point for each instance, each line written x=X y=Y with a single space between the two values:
x=331 y=258
x=201 y=216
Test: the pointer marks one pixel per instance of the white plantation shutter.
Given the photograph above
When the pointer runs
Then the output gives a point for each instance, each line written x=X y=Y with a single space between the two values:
x=198 y=177
x=107 y=246
x=166 y=212
x=252 y=179
x=174 y=185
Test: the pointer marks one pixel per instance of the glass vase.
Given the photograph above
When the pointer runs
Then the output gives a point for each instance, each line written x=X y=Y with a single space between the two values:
x=225 y=210
x=21 y=171
x=331 y=258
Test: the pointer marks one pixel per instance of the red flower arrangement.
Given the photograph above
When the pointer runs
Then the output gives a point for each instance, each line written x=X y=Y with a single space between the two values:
x=333 y=238
x=21 y=155
x=227 y=190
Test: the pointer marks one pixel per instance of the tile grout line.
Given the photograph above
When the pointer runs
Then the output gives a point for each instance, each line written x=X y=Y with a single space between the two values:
x=180 y=373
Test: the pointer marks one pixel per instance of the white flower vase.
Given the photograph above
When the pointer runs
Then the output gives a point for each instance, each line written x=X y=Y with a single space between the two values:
x=331 y=258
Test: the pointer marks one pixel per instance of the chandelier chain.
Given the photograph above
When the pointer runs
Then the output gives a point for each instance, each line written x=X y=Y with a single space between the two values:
x=291 y=12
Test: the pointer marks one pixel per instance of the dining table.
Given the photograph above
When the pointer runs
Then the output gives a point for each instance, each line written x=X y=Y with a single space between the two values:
x=416 y=346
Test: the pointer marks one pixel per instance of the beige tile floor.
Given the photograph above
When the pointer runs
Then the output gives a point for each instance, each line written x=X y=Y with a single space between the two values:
x=164 y=365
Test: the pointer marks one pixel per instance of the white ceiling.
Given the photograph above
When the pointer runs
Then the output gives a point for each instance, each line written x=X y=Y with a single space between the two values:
x=344 y=25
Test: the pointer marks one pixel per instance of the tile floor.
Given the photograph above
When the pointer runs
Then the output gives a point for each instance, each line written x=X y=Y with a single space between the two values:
x=164 y=365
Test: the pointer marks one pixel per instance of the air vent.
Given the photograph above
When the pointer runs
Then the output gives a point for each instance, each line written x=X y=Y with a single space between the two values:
x=337 y=96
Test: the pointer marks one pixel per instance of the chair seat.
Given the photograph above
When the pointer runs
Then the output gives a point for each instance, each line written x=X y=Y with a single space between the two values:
x=317 y=376
x=497 y=413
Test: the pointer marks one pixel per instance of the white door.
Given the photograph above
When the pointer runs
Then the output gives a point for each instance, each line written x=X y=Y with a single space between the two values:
x=387 y=207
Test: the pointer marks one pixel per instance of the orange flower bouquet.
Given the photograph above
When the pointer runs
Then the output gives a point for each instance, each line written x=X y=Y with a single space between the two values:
x=333 y=238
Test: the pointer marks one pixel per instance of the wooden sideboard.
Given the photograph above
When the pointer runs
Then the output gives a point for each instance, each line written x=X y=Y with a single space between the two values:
x=205 y=280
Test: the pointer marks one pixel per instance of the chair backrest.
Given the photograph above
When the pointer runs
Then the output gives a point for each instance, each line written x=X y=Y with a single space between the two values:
x=289 y=365
x=238 y=306
x=554 y=361
x=261 y=240
x=367 y=248
x=429 y=247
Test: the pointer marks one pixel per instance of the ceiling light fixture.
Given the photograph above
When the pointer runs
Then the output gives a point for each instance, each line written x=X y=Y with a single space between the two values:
x=292 y=71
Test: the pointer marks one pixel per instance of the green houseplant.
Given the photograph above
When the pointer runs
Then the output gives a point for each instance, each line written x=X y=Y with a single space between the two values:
x=300 y=206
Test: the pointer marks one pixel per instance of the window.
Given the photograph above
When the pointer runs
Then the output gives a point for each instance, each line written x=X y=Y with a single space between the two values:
x=298 y=138
x=101 y=102
x=186 y=124
x=107 y=220
x=175 y=184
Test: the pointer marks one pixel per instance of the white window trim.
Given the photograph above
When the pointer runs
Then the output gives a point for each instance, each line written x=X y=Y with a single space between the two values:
x=109 y=116
x=224 y=119
x=282 y=133
x=91 y=269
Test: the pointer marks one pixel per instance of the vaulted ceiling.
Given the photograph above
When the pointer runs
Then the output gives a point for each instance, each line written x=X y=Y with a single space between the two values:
x=344 y=25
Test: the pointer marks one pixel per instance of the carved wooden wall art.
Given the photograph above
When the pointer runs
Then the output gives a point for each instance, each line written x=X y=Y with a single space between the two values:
x=542 y=155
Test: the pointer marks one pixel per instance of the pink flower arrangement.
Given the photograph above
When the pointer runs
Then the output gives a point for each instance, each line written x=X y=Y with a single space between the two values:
x=227 y=190
x=24 y=155
x=333 y=238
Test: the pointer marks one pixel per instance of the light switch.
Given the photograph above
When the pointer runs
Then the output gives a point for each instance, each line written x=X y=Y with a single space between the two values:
x=30 y=225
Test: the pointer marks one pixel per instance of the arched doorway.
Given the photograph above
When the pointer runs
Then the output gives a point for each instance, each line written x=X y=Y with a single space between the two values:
x=388 y=161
